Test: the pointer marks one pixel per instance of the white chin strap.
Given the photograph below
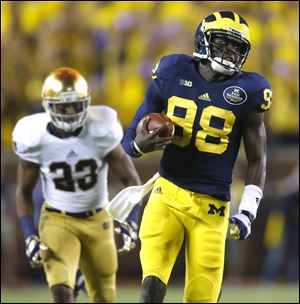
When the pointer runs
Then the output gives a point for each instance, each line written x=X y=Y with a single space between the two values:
x=219 y=68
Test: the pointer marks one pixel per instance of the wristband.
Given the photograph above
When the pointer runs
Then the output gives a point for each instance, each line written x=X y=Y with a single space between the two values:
x=27 y=224
x=251 y=198
x=137 y=148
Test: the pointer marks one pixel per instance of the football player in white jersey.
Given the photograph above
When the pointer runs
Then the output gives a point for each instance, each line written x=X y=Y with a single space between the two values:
x=71 y=147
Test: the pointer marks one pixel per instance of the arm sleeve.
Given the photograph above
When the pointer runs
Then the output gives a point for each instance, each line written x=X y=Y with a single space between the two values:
x=26 y=141
x=113 y=138
x=153 y=102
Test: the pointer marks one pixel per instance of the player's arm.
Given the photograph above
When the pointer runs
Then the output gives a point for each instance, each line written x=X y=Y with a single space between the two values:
x=254 y=136
x=135 y=145
x=123 y=168
x=27 y=176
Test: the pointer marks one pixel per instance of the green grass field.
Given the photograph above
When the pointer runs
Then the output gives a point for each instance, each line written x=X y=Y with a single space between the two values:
x=129 y=294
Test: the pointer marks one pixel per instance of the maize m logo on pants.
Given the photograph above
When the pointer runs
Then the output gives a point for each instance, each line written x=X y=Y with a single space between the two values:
x=213 y=210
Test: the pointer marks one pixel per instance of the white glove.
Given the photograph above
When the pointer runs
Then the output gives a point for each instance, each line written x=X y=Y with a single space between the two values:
x=242 y=221
x=33 y=247
x=129 y=234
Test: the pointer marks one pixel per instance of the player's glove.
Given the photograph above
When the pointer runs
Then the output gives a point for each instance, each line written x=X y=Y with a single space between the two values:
x=33 y=247
x=241 y=228
x=79 y=283
x=128 y=230
x=242 y=221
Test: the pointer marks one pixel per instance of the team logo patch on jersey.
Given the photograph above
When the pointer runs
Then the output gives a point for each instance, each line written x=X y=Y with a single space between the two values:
x=186 y=83
x=235 y=95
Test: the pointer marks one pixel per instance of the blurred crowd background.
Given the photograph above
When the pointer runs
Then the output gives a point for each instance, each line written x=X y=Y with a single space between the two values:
x=115 y=44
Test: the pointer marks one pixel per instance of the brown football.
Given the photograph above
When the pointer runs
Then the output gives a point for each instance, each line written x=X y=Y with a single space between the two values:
x=156 y=121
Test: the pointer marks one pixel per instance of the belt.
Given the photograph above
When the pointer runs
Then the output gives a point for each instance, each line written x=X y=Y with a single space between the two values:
x=84 y=214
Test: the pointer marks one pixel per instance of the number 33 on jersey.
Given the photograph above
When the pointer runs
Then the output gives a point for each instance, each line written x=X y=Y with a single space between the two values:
x=72 y=169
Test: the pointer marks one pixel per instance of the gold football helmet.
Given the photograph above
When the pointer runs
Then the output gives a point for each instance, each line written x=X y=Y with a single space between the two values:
x=66 y=97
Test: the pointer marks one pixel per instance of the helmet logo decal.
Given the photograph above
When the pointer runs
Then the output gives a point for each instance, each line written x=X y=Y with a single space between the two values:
x=235 y=95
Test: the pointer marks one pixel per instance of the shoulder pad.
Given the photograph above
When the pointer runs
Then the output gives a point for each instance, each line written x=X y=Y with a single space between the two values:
x=27 y=136
x=168 y=65
x=101 y=119
x=105 y=128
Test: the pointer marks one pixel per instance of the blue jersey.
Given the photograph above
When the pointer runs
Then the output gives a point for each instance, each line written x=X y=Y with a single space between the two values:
x=208 y=118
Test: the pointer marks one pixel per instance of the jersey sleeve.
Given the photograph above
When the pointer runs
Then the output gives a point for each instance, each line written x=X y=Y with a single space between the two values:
x=113 y=137
x=153 y=102
x=105 y=128
x=162 y=75
x=165 y=70
x=261 y=96
x=26 y=141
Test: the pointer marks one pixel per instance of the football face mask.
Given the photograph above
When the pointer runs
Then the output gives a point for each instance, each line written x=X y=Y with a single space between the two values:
x=229 y=27
x=227 y=51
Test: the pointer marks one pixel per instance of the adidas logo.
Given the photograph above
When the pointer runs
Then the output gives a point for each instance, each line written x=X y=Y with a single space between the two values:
x=72 y=154
x=204 y=97
x=158 y=190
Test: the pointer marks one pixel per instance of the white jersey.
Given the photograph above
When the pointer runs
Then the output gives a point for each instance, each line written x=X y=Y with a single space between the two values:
x=73 y=170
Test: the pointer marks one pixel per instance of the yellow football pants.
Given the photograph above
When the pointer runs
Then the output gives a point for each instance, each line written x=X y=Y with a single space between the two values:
x=87 y=242
x=173 y=215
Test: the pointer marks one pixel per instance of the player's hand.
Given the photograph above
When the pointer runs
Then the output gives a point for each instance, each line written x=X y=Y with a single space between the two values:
x=33 y=247
x=151 y=141
x=241 y=225
x=79 y=283
x=129 y=234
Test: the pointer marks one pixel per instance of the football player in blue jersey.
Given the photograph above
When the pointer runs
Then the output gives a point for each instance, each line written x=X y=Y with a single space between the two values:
x=213 y=105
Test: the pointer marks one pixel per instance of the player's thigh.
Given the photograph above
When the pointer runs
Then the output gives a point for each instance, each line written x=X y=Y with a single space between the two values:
x=62 y=257
x=98 y=244
x=98 y=259
x=205 y=252
x=161 y=236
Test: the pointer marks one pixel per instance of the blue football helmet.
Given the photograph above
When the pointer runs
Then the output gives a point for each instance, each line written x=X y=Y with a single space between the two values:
x=229 y=26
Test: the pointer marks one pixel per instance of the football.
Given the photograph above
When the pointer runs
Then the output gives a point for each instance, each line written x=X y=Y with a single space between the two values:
x=156 y=121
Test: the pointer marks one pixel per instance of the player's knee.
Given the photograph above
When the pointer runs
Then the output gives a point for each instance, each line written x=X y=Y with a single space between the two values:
x=202 y=290
x=153 y=290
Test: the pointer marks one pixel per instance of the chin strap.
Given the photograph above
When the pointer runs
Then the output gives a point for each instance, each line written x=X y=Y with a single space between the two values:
x=216 y=64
